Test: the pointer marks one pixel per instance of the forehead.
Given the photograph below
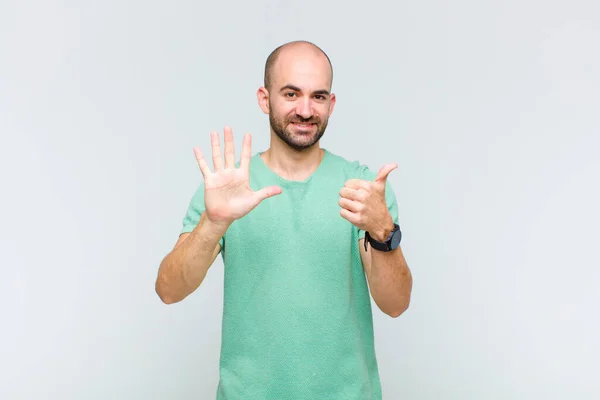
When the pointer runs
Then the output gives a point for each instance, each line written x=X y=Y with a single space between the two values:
x=304 y=68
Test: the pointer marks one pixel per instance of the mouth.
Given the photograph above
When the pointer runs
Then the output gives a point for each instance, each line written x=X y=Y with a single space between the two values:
x=303 y=125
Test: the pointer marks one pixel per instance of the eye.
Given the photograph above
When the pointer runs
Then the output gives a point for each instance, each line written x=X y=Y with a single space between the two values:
x=290 y=94
x=320 y=97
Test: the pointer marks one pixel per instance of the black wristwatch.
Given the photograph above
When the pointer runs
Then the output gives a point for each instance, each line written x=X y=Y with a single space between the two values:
x=392 y=242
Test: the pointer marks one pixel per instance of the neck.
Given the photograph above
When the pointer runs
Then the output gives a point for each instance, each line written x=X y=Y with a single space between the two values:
x=291 y=164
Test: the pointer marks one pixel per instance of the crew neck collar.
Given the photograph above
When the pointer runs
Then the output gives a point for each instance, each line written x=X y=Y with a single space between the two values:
x=292 y=183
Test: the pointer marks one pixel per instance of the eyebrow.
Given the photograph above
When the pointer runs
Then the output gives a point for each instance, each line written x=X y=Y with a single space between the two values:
x=297 y=89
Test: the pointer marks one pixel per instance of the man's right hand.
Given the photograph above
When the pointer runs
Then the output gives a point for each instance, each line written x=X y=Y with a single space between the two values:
x=227 y=192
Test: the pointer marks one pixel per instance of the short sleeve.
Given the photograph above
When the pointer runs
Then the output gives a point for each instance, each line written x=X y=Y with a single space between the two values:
x=195 y=209
x=363 y=172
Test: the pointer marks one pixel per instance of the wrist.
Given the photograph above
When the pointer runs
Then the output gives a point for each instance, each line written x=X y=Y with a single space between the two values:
x=216 y=227
x=382 y=232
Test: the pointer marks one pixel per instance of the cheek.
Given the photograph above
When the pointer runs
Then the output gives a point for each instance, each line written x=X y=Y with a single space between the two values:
x=281 y=111
x=324 y=111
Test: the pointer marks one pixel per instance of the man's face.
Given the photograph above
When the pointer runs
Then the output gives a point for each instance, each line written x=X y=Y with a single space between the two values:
x=300 y=101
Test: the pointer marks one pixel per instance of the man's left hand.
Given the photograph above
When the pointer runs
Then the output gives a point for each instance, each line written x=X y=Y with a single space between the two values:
x=363 y=204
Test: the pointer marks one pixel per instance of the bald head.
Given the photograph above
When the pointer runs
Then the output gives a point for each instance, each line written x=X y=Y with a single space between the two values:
x=299 y=48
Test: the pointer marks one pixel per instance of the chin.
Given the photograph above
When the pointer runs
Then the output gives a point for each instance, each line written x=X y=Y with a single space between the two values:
x=300 y=139
x=305 y=142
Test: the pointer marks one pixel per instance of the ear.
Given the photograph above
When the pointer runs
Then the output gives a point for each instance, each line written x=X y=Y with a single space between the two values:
x=332 y=100
x=262 y=95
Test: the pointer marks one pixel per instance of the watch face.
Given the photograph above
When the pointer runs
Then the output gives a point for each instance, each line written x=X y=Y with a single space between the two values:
x=395 y=242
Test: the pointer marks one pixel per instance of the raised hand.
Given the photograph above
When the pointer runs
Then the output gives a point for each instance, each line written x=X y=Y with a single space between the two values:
x=227 y=192
x=363 y=203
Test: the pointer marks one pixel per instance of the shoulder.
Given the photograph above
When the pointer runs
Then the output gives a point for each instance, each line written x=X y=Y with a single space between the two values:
x=353 y=169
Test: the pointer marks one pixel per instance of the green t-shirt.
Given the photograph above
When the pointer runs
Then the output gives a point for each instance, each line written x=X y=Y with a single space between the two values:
x=297 y=320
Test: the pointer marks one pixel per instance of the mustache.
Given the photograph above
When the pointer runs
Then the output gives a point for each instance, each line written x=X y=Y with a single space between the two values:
x=300 y=120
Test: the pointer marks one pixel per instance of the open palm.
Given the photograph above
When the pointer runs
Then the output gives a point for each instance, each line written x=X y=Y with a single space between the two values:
x=227 y=192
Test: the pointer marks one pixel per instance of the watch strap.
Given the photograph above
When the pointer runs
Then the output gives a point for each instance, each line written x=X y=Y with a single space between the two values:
x=381 y=246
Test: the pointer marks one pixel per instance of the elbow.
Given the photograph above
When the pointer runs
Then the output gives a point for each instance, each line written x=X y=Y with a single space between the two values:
x=404 y=301
x=165 y=286
x=163 y=293
x=167 y=299
x=399 y=311
x=164 y=297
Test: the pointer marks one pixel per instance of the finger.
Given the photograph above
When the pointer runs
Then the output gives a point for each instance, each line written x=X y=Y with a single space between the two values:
x=351 y=205
x=349 y=215
x=267 y=192
x=216 y=151
x=229 y=148
x=352 y=194
x=246 y=151
x=385 y=171
x=358 y=184
x=201 y=162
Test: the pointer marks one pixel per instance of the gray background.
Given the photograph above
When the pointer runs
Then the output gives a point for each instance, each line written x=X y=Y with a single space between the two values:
x=489 y=108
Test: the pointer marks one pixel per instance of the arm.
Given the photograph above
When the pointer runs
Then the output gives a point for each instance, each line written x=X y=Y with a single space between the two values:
x=225 y=196
x=389 y=277
x=184 y=268
x=366 y=205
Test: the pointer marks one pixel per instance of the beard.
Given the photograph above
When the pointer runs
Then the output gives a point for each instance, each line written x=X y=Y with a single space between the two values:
x=299 y=141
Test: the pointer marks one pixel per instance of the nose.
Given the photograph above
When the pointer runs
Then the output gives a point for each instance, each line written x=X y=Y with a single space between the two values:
x=304 y=108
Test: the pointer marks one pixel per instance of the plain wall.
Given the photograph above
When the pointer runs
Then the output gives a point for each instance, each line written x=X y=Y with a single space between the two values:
x=490 y=109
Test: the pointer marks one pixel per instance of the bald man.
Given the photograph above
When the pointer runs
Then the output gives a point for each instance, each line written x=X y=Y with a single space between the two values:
x=303 y=234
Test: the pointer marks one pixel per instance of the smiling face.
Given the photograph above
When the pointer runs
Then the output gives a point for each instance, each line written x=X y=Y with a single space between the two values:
x=298 y=98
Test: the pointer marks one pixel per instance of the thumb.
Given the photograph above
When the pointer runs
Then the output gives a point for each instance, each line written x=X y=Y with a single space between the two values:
x=267 y=192
x=385 y=171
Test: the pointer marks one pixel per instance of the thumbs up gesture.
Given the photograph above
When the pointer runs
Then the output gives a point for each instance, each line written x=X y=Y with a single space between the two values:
x=363 y=204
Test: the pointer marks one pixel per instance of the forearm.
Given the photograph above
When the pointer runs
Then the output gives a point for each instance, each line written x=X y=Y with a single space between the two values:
x=390 y=281
x=184 y=268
